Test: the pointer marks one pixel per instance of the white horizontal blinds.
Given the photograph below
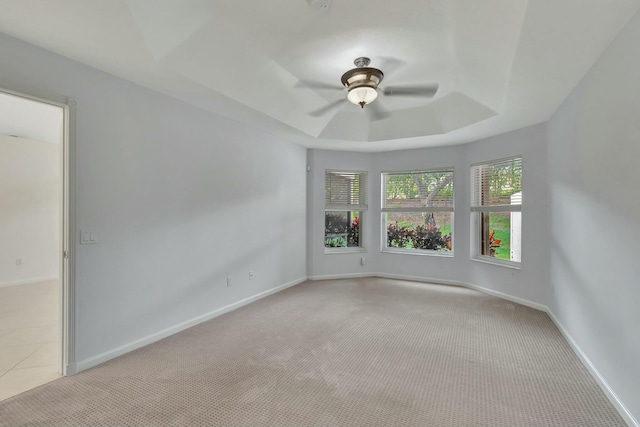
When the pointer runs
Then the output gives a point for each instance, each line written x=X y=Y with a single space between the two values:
x=345 y=191
x=418 y=191
x=497 y=186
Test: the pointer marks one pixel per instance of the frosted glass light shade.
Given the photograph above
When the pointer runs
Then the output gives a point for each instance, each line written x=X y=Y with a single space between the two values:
x=362 y=95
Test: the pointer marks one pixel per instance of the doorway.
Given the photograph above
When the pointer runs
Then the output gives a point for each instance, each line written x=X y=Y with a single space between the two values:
x=33 y=242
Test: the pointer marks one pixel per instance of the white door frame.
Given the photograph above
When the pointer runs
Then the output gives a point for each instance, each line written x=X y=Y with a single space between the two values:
x=67 y=250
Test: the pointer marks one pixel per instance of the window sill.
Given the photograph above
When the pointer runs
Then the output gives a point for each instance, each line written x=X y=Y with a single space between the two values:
x=336 y=251
x=497 y=261
x=417 y=252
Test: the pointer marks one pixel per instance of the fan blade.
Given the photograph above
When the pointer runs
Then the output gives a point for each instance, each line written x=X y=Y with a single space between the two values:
x=376 y=111
x=310 y=84
x=423 y=90
x=388 y=64
x=324 y=110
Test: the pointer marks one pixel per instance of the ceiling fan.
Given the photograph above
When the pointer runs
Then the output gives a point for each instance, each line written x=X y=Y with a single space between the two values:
x=362 y=88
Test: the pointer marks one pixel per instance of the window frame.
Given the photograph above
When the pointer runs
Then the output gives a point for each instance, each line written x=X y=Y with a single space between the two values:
x=427 y=209
x=479 y=234
x=360 y=208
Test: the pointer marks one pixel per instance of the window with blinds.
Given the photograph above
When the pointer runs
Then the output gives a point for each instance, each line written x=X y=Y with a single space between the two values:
x=417 y=210
x=496 y=201
x=497 y=186
x=345 y=202
x=345 y=190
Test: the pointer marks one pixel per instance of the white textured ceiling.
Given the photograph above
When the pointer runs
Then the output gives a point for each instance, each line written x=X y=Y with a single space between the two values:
x=500 y=64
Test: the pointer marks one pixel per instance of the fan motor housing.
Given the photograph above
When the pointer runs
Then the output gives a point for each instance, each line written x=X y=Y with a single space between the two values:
x=363 y=76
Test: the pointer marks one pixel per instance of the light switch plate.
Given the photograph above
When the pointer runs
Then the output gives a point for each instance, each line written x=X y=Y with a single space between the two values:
x=88 y=238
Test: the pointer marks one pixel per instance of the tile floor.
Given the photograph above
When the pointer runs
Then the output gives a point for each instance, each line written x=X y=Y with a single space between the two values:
x=29 y=336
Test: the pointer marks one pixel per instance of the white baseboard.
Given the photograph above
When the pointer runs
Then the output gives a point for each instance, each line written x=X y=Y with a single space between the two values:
x=70 y=369
x=419 y=279
x=534 y=305
x=82 y=365
x=388 y=276
x=484 y=290
x=518 y=300
x=27 y=281
x=341 y=276
x=608 y=391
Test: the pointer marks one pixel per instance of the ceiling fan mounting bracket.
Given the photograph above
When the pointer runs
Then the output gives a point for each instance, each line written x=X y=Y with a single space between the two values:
x=362 y=62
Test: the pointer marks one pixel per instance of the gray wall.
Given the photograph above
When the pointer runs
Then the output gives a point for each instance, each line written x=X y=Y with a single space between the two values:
x=178 y=198
x=342 y=264
x=531 y=283
x=594 y=150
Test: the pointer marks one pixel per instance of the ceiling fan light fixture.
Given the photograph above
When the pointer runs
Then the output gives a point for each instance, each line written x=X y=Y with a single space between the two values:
x=362 y=95
x=362 y=82
x=362 y=85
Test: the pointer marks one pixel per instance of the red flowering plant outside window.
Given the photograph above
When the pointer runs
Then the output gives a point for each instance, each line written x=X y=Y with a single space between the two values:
x=494 y=243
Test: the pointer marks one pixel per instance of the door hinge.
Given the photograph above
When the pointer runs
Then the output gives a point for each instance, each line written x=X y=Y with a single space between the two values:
x=65 y=254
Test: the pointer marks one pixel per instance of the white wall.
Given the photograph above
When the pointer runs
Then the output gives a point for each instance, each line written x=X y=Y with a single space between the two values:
x=30 y=210
x=346 y=264
x=530 y=283
x=594 y=150
x=428 y=267
x=179 y=199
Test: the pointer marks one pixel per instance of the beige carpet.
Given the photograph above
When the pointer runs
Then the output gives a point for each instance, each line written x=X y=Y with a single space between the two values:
x=366 y=352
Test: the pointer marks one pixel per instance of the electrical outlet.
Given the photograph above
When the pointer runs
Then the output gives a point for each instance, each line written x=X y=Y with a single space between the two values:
x=250 y=274
x=228 y=280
